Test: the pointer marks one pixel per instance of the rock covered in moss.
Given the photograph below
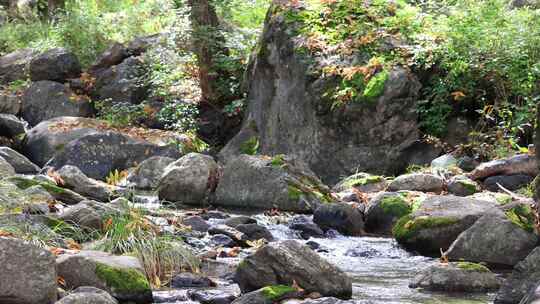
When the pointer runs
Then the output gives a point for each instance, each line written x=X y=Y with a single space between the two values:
x=384 y=210
x=268 y=295
x=342 y=217
x=260 y=182
x=462 y=186
x=493 y=239
x=88 y=295
x=524 y=277
x=32 y=199
x=362 y=182
x=61 y=194
x=438 y=222
x=121 y=276
x=189 y=180
x=148 y=173
x=456 y=277
x=287 y=262
x=28 y=273
x=417 y=182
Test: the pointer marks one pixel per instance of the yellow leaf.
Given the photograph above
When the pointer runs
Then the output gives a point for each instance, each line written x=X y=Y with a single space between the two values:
x=458 y=95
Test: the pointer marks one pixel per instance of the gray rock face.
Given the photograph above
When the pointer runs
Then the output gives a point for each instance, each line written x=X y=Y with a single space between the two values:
x=44 y=100
x=533 y=297
x=341 y=217
x=15 y=66
x=121 y=276
x=524 y=277
x=113 y=55
x=10 y=103
x=438 y=222
x=121 y=83
x=20 y=163
x=88 y=215
x=10 y=125
x=5 y=168
x=456 y=277
x=254 y=182
x=417 y=182
x=518 y=164
x=289 y=113
x=77 y=181
x=57 y=65
x=288 y=261
x=484 y=242
x=189 y=180
x=28 y=273
x=149 y=172
x=510 y=182
x=88 y=295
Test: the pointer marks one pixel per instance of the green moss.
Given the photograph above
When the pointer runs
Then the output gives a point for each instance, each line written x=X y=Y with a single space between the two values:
x=362 y=181
x=375 y=86
x=503 y=199
x=472 y=267
x=275 y=292
x=522 y=216
x=294 y=193
x=278 y=161
x=395 y=205
x=469 y=186
x=250 y=146
x=408 y=226
x=122 y=280
x=25 y=183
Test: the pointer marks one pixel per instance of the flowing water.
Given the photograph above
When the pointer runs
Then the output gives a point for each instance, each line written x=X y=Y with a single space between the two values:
x=380 y=269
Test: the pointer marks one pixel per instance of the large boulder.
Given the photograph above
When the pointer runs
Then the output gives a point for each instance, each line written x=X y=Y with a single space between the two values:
x=291 y=112
x=56 y=64
x=509 y=182
x=121 y=276
x=260 y=182
x=113 y=55
x=189 y=180
x=149 y=172
x=88 y=295
x=44 y=100
x=287 y=262
x=344 y=218
x=456 y=277
x=524 y=277
x=28 y=273
x=94 y=147
x=20 y=163
x=15 y=66
x=438 y=222
x=121 y=83
x=417 y=182
x=74 y=179
x=482 y=242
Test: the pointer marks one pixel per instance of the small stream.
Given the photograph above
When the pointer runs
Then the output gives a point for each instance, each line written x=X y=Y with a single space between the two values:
x=380 y=268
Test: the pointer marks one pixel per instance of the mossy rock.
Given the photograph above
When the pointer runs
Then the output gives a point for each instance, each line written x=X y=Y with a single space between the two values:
x=363 y=182
x=276 y=292
x=395 y=205
x=122 y=280
x=523 y=216
x=408 y=227
x=472 y=267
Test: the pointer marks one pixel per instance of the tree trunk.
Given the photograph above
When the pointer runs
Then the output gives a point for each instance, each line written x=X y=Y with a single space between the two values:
x=207 y=43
